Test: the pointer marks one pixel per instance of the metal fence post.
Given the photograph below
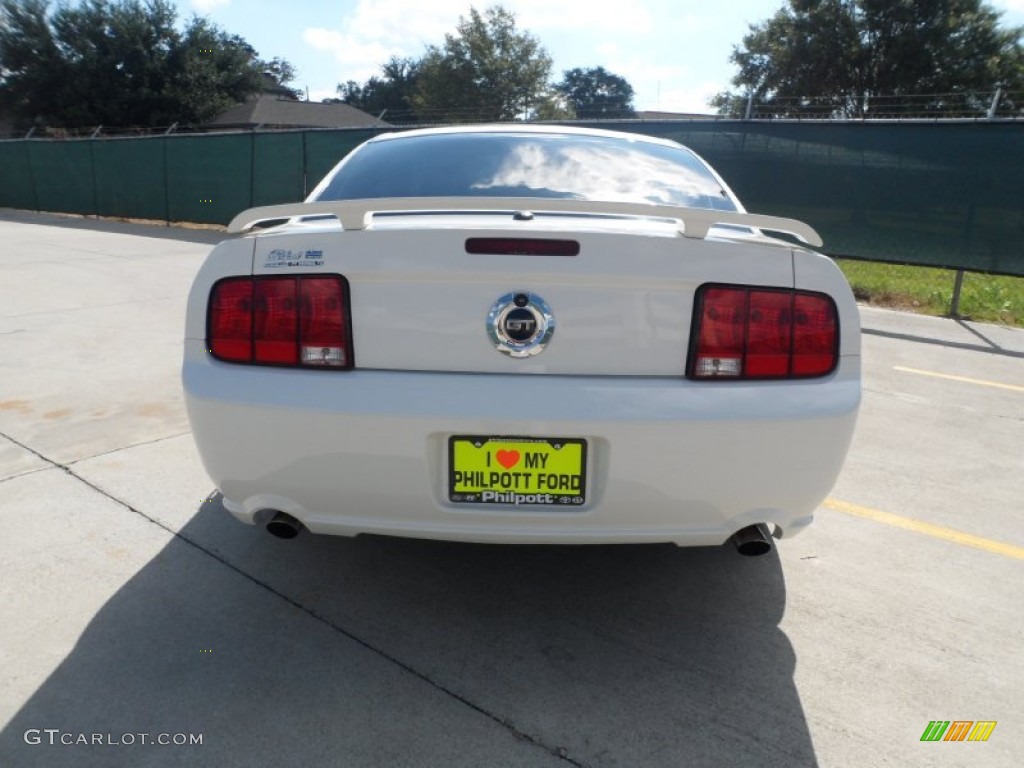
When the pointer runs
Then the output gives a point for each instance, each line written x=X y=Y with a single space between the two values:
x=95 y=186
x=167 y=184
x=958 y=284
x=994 y=106
x=252 y=169
x=305 y=181
x=32 y=175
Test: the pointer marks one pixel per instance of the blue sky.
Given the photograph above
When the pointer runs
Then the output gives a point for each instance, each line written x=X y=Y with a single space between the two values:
x=675 y=53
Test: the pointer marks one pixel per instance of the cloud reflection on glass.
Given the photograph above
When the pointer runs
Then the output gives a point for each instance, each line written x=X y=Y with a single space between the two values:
x=514 y=162
x=596 y=172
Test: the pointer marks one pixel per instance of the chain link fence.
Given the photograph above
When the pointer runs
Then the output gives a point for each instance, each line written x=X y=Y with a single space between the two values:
x=962 y=105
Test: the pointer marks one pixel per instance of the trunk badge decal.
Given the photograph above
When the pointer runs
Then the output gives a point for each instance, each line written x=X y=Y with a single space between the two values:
x=520 y=324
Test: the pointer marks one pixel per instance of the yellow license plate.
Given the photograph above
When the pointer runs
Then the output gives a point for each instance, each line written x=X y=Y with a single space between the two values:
x=524 y=471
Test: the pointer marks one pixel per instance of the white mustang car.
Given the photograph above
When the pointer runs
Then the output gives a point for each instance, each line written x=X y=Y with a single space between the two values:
x=522 y=334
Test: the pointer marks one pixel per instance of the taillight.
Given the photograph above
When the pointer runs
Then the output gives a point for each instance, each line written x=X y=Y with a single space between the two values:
x=275 y=321
x=229 y=331
x=815 y=335
x=291 y=321
x=762 y=333
x=322 y=323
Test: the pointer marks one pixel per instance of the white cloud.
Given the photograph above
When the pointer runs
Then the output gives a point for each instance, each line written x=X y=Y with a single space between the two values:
x=692 y=100
x=319 y=94
x=324 y=39
x=595 y=17
x=380 y=29
x=660 y=87
x=643 y=42
x=205 y=6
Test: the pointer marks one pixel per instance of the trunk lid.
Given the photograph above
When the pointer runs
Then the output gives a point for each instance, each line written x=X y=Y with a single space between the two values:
x=622 y=306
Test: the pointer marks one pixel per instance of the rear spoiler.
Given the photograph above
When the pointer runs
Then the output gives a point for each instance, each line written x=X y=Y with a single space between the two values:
x=356 y=214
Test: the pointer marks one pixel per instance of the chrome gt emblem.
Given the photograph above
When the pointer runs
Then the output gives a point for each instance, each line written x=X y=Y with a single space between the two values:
x=520 y=324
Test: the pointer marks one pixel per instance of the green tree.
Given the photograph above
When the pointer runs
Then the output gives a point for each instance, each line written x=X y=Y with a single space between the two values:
x=209 y=71
x=595 y=94
x=389 y=95
x=30 y=62
x=487 y=70
x=875 y=57
x=121 y=64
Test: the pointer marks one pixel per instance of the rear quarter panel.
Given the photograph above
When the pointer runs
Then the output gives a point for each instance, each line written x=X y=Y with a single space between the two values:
x=814 y=272
x=231 y=257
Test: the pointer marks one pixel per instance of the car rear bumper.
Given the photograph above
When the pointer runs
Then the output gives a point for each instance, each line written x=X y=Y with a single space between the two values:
x=669 y=460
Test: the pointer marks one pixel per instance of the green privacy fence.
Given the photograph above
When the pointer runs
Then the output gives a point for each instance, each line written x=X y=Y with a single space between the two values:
x=947 y=194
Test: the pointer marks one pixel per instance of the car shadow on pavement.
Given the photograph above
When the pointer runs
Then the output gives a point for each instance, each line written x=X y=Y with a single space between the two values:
x=382 y=652
x=989 y=347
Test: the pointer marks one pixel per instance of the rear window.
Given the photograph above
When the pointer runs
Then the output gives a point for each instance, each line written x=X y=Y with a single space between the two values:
x=528 y=165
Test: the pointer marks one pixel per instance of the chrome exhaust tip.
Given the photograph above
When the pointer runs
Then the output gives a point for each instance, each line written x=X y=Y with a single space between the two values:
x=284 y=526
x=753 y=540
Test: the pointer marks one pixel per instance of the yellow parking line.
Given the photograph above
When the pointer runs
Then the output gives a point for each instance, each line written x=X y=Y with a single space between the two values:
x=928 y=529
x=951 y=377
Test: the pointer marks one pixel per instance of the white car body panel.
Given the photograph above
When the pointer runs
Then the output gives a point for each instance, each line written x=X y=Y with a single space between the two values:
x=419 y=301
x=669 y=459
x=365 y=451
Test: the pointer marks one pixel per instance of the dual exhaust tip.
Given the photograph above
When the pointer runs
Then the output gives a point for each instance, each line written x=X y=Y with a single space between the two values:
x=750 y=541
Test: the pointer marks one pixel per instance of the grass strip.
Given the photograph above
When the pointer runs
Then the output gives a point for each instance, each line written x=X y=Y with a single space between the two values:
x=928 y=290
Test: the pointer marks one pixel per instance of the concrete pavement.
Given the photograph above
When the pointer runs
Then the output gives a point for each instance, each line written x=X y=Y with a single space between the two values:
x=131 y=603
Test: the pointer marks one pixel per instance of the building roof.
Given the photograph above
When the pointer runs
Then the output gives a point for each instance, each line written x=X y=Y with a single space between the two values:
x=274 y=111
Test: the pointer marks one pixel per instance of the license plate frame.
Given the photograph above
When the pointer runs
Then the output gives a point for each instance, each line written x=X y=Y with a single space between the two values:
x=514 y=471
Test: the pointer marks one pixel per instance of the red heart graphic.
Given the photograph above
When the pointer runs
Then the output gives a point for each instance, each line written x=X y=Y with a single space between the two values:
x=507 y=459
